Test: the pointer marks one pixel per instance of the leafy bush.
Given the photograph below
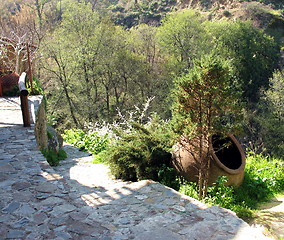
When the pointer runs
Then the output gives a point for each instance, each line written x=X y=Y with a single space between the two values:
x=143 y=152
x=93 y=142
x=190 y=189
x=264 y=177
x=75 y=137
x=220 y=194
x=168 y=176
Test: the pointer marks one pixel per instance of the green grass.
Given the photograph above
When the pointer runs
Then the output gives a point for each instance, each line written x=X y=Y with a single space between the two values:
x=53 y=157
x=99 y=158
x=264 y=178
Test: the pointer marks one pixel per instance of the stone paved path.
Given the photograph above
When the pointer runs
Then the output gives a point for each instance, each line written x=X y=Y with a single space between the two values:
x=79 y=200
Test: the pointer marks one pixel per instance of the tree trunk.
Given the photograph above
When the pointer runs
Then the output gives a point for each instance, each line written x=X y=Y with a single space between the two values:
x=70 y=105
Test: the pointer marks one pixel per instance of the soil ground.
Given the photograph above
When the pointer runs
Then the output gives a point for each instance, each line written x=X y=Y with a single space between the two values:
x=271 y=216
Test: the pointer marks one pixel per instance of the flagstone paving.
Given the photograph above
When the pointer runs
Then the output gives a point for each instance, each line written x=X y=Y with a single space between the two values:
x=80 y=200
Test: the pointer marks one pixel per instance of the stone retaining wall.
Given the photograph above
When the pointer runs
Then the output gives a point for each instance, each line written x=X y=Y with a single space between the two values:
x=38 y=117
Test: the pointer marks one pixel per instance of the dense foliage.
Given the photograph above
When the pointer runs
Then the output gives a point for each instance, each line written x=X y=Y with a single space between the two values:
x=187 y=36
x=244 y=45
x=199 y=97
x=96 y=68
x=266 y=125
x=133 y=149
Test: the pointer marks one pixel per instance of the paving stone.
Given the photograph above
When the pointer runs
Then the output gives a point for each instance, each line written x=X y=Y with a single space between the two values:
x=42 y=196
x=59 y=221
x=51 y=200
x=46 y=187
x=15 y=234
x=39 y=218
x=25 y=210
x=6 y=218
x=160 y=234
x=47 y=209
x=78 y=216
x=59 y=229
x=178 y=208
x=21 y=185
x=43 y=229
x=63 y=235
x=21 y=223
x=6 y=167
x=61 y=209
x=12 y=207
x=80 y=228
x=23 y=196
x=3 y=176
x=7 y=157
x=124 y=221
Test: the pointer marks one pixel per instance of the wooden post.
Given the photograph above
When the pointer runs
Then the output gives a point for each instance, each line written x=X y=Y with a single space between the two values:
x=24 y=100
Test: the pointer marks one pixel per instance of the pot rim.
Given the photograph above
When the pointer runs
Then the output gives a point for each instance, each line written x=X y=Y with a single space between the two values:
x=220 y=164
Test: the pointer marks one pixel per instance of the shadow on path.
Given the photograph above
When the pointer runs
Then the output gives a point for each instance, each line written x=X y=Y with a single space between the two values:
x=145 y=209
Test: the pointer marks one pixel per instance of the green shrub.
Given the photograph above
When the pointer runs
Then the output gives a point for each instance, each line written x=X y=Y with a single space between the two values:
x=100 y=157
x=189 y=189
x=93 y=142
x=74 y=137
x=269 y=120
x=264 y=177
x=168 y=176
x=143 y=152
x=220 y=194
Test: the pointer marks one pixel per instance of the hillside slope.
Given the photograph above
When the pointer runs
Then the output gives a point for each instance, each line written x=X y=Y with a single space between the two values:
x=265 y=14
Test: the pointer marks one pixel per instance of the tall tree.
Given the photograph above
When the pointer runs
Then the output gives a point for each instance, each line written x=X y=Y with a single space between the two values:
x=16 y=32
x=60 y=74
x=199 y=110
x=182 y=35
x=266 y=125
x=254 y=54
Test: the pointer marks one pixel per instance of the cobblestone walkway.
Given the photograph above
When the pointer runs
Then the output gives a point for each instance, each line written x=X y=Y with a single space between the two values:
x=79 y=200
